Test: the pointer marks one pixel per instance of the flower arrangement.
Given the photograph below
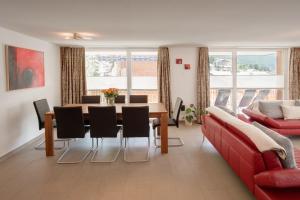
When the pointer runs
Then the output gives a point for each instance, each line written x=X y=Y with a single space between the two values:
x=110 y=94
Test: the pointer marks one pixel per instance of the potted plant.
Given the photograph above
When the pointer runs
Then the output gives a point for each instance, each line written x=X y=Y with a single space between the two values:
x=110 y=95
x=189 y=115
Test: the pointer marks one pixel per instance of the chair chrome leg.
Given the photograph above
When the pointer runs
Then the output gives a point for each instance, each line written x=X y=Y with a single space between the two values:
x=154 y=137
x=93 y=160
x=136 y=161
x=181 y=143
x=59 y=161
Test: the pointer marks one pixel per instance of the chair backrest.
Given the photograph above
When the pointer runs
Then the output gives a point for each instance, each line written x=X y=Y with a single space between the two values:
x=91 y=99
x=222 y=98
x=120 y=99
x=135 y=121
x=247 y=97
x=103 y=121
x=41 y=108
x=69 y=122
x=138 y=99
x=262 y=94
x=176 y=111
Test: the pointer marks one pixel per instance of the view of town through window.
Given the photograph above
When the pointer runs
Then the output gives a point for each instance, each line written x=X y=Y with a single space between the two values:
x=132 y=72
x=237 y=74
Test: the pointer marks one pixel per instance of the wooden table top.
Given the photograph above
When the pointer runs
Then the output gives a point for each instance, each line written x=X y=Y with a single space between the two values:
x=154 y=108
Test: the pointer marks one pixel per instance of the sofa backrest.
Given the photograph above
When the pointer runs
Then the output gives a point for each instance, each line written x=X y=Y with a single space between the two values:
x=238 y=150
x=255 y=105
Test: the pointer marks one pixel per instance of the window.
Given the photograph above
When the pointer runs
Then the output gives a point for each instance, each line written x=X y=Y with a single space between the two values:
x=250 y=75
x=220 y=64
x=144 y=74
x=133 y=72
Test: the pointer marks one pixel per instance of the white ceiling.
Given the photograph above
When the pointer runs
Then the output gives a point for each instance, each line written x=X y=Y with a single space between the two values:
x=157 y=22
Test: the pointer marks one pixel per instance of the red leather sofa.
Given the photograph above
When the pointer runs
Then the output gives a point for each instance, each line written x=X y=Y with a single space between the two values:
x=262 y=173
x=284 y=127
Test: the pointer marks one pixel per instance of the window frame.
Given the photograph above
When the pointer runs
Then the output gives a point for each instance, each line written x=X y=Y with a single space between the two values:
x=234 y=51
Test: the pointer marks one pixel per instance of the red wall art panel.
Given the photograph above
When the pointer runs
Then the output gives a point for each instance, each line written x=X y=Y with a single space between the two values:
x=178 y=61
x=25 y=68
x=187 y=66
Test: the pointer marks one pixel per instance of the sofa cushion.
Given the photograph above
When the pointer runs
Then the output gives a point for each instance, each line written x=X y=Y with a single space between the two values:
x=288 y=178
x=271 y=160
x=272 y=109
x=255 y=105
x=283 y=124
x=297 y=103
x=264 y=193
x=291 y=112
x=287 y=132
x=286 y=143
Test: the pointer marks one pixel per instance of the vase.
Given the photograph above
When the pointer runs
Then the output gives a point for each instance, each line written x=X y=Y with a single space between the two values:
x=110 y=100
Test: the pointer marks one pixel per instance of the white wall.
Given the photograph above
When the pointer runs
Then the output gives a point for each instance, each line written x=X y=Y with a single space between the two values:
x=18 y=121
x=183 y=82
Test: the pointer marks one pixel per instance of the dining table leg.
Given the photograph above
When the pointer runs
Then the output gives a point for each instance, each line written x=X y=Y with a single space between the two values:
x=164 y=132
x=49 y=142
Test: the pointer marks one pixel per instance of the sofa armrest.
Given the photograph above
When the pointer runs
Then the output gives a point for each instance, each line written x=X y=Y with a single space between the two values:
x=285 y=178
x=255 y=115
x=244 y=118
x=272 y=123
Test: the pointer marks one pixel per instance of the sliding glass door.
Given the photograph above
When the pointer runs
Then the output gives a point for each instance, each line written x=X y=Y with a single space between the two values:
x=250 y=75
x=221 y=81
x=144 y=74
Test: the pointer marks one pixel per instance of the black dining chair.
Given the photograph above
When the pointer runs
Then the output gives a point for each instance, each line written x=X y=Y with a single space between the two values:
x=136 y=124
x=138 y=99
x=173 y=121
x=103 y=124
x=70 y=125
x=90 y=99
x=120 y=99
x=41 y=108
x=86 y=99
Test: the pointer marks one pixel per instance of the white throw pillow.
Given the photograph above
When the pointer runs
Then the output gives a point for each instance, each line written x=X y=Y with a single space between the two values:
x=291 y=112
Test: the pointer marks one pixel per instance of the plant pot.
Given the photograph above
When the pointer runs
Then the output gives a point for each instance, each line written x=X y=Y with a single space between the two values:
x=187 y=123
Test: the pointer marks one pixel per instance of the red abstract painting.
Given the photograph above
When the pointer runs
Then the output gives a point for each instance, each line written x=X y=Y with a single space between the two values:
x=25 y=68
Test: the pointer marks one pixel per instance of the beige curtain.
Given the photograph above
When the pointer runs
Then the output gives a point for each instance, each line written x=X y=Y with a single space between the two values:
x=73 y=84
x=202 y=80
x=294 y=74
x=163 y=69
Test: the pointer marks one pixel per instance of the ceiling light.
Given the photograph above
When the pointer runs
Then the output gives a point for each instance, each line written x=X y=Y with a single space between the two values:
x=81 y=36
x=78 y=36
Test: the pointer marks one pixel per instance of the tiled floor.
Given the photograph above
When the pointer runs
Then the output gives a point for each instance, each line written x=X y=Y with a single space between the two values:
x=191 y=172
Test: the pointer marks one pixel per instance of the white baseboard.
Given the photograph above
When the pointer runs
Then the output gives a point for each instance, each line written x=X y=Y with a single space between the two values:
x=13 y=152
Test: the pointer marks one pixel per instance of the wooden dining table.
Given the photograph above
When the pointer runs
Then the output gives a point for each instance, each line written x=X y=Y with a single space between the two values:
x=156 y=110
